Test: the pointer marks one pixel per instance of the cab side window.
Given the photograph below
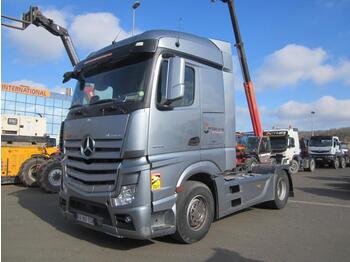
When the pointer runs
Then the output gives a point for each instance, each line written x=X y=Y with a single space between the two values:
x=188 y=98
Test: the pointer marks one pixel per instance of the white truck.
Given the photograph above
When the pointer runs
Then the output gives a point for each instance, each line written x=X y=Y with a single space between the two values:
x=285 y=147
x=326 y=151
x=289 y=150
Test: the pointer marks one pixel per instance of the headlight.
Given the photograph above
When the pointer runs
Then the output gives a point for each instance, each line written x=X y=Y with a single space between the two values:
x=126 y=196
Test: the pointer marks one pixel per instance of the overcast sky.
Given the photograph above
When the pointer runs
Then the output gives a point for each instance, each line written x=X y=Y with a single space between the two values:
x=298 y=50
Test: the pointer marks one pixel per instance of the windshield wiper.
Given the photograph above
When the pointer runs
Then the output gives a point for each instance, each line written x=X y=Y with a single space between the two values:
x=75 y=106
x=102 y=101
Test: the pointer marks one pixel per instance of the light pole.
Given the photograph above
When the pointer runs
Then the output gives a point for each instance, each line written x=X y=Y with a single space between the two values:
x=134 y=7
x=312 y=123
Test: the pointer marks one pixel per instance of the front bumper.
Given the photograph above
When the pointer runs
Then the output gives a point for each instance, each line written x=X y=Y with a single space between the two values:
x=142 y=219
x=323 y=158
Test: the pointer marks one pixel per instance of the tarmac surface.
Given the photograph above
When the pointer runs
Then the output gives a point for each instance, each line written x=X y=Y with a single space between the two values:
x=314 y=226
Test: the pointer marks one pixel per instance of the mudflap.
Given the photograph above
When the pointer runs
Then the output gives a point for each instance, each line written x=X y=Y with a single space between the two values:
x=277 y=169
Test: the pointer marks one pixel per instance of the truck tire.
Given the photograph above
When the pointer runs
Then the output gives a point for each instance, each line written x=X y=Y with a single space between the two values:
x=342 y=163
x=335 y=163
x=194 y=212
x=294 y=167
x=249 y=163
x=51 y=175
x=312 y=165
x=281 y=192
x=28 y=172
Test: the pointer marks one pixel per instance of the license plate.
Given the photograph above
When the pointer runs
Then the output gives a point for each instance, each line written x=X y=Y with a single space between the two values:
x=319 y=158
x=85 y=219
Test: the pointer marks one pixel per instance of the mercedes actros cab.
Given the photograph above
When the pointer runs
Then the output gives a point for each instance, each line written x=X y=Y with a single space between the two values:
x=149 y=144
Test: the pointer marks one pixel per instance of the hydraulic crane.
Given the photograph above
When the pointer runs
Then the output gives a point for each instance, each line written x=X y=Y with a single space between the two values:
x=35 y=17
x=248 y=85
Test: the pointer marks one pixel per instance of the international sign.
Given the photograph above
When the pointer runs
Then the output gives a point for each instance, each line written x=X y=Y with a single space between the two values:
x=19 y=89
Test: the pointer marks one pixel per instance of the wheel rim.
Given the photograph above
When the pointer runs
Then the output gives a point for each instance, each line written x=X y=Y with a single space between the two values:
x=54 y=177
x=281 y=189
x=32 y=172
x=197 y=212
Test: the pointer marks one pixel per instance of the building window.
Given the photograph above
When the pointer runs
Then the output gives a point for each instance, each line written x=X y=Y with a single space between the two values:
x=31 y=99
x=40 y=100
x=21 y=98
x=58 y=103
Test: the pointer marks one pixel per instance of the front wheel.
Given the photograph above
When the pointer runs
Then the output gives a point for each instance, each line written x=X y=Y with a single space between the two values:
x=51 y=175
x=294 y=167
x=195 y=212
x=312 y=165
x=28 y=173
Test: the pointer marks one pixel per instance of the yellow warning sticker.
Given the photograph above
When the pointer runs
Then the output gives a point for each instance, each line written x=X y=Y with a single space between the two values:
x=155 y=180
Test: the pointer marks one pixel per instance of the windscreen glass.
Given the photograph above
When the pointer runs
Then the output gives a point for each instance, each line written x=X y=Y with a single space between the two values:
x=278 y=143
x=124 y=82
x=344 y=146
x=320 y=141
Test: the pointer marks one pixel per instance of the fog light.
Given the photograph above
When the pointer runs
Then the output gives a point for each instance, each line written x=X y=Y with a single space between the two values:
x=127 y=219
x=126 y=196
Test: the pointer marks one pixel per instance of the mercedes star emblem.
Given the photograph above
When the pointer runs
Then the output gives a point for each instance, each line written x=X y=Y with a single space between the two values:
x=87 y=146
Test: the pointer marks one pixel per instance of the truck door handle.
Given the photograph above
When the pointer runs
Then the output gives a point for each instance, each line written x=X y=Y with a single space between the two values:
x=194 y=141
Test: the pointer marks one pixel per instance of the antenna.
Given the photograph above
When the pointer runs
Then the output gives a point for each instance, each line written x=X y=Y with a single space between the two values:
x=177 y=43
x=115 y=39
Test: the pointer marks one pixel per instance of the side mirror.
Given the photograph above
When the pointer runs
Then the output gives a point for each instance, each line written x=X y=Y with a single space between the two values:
x=291 y=142
x=175 y=88
x=68 y=76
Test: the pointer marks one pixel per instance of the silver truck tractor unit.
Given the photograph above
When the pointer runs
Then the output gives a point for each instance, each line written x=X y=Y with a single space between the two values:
x=149 y=140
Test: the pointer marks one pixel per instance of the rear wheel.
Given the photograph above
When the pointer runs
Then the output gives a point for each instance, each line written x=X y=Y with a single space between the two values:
x=335 y=163
x=194 y=212
x=281 y=192
x=51 y=175
x=28 y=173
x=342 y=162
x=294 y=166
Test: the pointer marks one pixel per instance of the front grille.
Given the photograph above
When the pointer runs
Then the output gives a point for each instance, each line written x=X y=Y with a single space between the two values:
x=320 y=152
x=97 y=173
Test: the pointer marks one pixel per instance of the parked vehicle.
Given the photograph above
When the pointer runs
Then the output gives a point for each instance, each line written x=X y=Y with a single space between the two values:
x=24 y=147
x=148 y=143
x=285 y=147
x=345 y=149
x=326 y=151
x=252 y=150
x=289 y=150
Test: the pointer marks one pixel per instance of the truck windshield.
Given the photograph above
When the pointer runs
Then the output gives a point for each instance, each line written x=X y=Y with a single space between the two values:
x=344 y=146
x=252 y=144
x=121 y=83
x=320 y=141
x=278 y=143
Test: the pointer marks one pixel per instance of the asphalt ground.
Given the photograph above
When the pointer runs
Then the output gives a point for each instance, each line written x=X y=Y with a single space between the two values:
x=314 y=226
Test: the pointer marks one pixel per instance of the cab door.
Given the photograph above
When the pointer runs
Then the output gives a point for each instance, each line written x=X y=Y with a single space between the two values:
x=174 y=130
